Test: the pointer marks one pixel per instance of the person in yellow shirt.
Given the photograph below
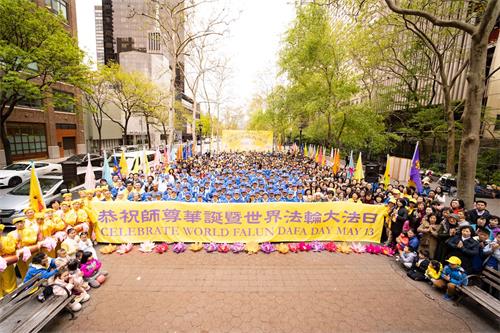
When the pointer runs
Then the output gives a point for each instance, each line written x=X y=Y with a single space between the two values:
x=82 y=216
x=24 y=236
x=68 y=215
x=108 y=196
x=45 y=226
x=98 y=194
x=8 y=281
x=30 y=220
x=67 y=197
x=56 y=222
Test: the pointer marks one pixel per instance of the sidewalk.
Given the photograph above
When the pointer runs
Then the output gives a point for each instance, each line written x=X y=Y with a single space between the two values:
x=304 y=292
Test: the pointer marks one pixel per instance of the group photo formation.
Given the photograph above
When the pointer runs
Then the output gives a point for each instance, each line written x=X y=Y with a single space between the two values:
x=249 y=166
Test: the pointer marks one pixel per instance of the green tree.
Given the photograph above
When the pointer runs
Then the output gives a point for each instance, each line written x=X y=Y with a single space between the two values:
x=129 y=93
x=316 y=62
x=478 y=25
x=36 y=51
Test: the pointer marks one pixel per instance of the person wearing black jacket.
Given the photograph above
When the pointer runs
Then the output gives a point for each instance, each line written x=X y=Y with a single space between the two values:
x=480 y=210
x=463 y=246
x=400 y=216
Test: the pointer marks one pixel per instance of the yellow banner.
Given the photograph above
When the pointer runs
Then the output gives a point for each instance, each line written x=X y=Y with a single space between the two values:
x=169 y=221
x=239 y=140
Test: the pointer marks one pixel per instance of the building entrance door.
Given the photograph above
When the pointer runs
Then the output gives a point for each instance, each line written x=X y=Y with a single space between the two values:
x=69 y=146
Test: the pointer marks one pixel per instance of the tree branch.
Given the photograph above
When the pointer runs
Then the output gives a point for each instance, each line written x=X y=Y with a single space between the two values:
x=468 y=28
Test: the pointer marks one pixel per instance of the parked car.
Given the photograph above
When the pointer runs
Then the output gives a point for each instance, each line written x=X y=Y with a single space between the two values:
x=81 y=159
x=53 y=187
x=131 y=158
x=16 y=173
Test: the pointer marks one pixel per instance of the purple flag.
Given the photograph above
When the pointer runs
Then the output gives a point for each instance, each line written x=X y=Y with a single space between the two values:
x=415 y=179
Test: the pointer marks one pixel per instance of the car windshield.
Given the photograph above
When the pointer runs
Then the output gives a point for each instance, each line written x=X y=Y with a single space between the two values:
x=45 y=184
x=17 y=167
x=75 y=158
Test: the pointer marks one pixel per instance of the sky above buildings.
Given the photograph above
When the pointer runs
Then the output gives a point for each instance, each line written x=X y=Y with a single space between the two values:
x=251 y=44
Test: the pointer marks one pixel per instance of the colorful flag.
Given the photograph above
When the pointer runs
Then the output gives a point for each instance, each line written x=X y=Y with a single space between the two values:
x=306 y=153
x=116 y=164
x=350 y=168
x=123 y=165
x=166 y=156
x=89 y=176
x=36 y=197
x=387 y=173
x=359 y=174
x=415 y=179
x=157 y=158
x=106 y=171
x=179 y=151
x=173 y=153
x=145 y=162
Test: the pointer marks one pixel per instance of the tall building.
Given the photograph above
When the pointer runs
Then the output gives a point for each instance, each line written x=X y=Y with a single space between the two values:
x=134 y=41
x=46 y=128
x=138 y=47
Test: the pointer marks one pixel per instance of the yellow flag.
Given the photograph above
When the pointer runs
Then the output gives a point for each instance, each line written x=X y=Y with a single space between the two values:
x=36 y=197
x=336 y=161
x=123 y=165
x=306 y=153
x=387 y=173
x=146 y=162
x=358 y=173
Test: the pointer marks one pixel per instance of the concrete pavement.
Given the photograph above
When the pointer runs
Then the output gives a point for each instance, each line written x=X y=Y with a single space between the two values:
x=304 y=292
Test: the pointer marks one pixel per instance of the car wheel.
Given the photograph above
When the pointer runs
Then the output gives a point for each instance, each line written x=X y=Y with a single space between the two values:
x=14 y=181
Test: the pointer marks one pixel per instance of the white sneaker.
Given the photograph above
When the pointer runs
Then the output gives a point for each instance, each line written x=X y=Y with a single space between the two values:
x=85 y=298
x=75 y=306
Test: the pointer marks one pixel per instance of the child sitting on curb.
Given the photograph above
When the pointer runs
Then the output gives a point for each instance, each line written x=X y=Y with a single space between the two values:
x=90 y=268
x=453 y=275
x=407 y=257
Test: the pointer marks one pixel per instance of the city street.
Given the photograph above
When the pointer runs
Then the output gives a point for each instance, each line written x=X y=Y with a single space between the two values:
x=304 y=292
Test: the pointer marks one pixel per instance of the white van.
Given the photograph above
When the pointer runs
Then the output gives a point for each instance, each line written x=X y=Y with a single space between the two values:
x=132 y=157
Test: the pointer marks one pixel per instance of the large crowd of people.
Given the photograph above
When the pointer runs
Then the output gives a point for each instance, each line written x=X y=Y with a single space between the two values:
x=435 y=241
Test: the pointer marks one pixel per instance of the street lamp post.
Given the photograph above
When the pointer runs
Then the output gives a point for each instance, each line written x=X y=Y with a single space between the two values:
x=200 y=127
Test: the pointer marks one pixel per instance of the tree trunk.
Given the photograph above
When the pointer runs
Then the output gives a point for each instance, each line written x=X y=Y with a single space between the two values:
x=450 y=119
x=5 y=142
x=125 y=128
x=148 y=132
x=193 y=125
x=99 y=134
x=471 y=118
x=171 y=110
x=165 y=135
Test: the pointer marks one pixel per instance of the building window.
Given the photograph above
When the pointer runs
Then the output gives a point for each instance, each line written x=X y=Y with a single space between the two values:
x=154 y=42
x=34 y=103
x=26 y=138
x=65 y=126
x=64 y=101
x=59 y=7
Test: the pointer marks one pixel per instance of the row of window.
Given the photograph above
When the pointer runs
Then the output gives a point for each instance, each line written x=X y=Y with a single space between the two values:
x=26 y=138
x=63 y=101
x=59 y=7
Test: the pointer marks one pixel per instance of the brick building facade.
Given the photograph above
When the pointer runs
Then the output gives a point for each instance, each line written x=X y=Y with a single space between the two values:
x=48 y=128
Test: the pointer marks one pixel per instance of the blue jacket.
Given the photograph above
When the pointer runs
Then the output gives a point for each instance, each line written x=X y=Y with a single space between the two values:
x=414 y=242
x=45 y=273
x=457 y=275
